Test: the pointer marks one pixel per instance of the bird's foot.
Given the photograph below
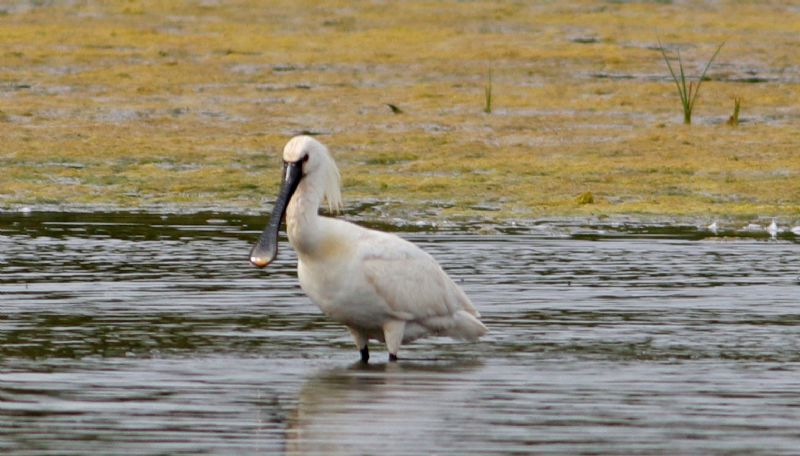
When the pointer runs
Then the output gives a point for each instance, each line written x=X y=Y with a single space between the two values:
x=365 y=354
x=392 y=357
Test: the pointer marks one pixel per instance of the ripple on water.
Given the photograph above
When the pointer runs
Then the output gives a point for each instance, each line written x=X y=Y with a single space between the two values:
x=137 y=333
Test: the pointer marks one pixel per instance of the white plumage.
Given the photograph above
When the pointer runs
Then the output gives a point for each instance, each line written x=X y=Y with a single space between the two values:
x=377 y=284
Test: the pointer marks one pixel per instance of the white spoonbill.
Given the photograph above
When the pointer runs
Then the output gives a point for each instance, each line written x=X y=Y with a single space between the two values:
x=378 y=285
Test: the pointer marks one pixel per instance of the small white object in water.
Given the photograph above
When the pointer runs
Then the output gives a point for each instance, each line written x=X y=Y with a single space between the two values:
x=772 y=229
x=25 y=210
x=713 y=227
x=796 y=230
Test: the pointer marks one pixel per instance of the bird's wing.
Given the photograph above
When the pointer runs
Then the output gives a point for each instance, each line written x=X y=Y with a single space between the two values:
x=409 y=280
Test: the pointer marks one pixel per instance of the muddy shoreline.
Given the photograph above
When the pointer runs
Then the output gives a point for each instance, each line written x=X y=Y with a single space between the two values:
x=175 y=107
x=372 y=215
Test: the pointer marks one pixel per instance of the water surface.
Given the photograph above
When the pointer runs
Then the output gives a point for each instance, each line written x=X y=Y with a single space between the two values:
x=152 y=334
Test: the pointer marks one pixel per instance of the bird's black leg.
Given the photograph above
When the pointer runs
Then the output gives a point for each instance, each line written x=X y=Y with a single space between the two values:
x=365 y=354
x=392 y=357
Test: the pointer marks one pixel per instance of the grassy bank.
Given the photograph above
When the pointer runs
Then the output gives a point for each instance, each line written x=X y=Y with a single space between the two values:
x=148 y=103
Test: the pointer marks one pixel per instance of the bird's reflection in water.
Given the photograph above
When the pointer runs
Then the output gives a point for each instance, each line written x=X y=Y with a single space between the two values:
x=389 y=408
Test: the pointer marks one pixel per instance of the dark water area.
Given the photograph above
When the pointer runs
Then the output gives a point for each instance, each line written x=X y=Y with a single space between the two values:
x=130 y=333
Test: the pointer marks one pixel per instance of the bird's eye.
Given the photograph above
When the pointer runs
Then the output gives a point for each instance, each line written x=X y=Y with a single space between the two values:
x=305 y=158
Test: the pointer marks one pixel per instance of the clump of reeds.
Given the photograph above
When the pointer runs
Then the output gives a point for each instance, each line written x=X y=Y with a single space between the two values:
x=688 y=93
x=487 y=92
x=733 y=120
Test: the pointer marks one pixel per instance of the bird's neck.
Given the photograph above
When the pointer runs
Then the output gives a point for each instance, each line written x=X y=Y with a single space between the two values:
x=302 y=217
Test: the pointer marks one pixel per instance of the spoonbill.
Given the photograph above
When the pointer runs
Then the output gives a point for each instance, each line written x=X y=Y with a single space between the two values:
x=378 y=285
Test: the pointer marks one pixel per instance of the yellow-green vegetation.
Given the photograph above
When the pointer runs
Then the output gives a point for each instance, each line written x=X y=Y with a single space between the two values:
x=139 y=104
x=688 y=94
x=585 y=198
x=488 y=95
x=733 y=120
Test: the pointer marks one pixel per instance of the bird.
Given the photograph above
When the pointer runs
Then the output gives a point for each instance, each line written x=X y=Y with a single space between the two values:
x=795 y=230
x=772 y=229
x=714 y=228
x=395 y=109
x=380 y=286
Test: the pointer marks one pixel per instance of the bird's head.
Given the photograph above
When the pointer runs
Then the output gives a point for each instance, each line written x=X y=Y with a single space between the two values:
x=308 y=160
x=317 y=167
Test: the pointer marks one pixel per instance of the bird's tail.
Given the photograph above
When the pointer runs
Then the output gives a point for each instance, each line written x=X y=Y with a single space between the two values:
x=467 y=326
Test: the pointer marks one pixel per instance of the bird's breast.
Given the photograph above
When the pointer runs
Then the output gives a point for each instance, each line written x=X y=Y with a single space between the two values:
x=340 y=291
x=324 y=278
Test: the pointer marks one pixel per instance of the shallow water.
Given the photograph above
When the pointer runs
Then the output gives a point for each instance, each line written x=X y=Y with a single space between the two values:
x=148 y=334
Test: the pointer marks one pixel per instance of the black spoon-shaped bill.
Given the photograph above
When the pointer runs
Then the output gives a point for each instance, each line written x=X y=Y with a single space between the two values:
x=266 y=249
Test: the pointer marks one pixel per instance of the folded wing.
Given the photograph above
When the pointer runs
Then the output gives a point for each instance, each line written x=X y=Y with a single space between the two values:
x=416 y=289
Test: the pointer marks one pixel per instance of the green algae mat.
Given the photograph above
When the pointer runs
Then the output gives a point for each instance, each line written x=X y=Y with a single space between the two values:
x=446 y=109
